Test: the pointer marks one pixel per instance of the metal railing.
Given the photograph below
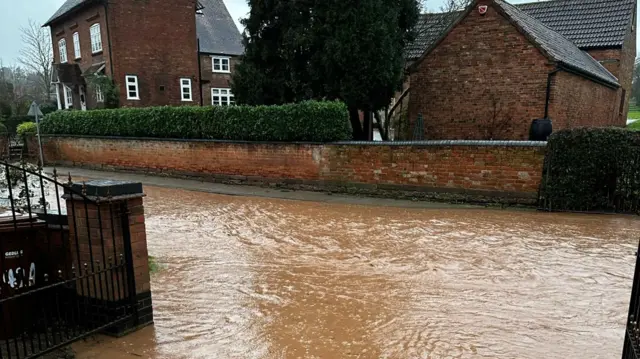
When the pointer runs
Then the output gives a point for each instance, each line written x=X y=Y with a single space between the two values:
x=65 y=263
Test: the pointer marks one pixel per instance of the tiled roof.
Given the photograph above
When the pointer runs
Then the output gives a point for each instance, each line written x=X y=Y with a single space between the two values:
x=556 y=46
x=217 y=32
x=67 y=7
x=429 y=29
x=587 y=23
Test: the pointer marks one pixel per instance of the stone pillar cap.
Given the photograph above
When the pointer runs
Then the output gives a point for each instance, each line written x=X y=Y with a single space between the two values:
x=106 y=190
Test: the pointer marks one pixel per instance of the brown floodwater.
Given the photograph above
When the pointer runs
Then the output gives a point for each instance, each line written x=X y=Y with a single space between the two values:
x=247 y=277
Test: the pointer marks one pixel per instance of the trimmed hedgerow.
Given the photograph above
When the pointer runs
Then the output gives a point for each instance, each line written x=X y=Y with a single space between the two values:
x=592 y=169
x=306 y=121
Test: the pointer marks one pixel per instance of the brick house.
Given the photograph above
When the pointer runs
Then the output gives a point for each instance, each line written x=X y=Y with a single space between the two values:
x=149 y=48
x=220 y=47
x=488 y=71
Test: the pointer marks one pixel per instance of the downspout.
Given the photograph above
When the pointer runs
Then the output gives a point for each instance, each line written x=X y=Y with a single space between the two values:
x=200 y=74
x=548 y=99
x=106 y=18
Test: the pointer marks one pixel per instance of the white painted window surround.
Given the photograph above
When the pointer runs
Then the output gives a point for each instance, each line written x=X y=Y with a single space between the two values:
x=222 y=97
x=221 y=64
x=133 y=93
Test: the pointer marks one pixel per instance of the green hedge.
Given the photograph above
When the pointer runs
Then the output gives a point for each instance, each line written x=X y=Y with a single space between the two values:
x=306 y=121
x=592 y=169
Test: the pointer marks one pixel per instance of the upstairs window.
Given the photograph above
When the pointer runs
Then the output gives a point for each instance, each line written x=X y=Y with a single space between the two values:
x=221 y=64
x=62 y=49
x=96 y=38
x=185 y=89
x=132 y=87
x=222 y=97
x=76 y=45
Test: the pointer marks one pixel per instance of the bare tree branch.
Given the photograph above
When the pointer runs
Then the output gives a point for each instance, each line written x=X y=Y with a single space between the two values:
x=37 y=55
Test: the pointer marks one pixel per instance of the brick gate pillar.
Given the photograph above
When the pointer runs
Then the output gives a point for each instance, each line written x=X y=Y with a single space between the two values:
x=107 y=230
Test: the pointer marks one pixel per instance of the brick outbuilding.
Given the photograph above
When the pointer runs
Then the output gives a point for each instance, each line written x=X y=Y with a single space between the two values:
x=493 y=68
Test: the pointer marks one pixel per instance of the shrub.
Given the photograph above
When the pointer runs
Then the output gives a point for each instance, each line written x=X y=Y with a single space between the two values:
x=306 y=121
x=26 y=129
x=3 y=129
x=592 y=169
x=13 y=122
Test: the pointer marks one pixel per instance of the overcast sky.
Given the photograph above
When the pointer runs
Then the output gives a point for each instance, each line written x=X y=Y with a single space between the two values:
x=14 y=14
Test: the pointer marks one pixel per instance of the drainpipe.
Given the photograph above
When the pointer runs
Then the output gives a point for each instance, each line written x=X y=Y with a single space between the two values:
x=200 y=74
x=106 y=18
x=546 y=103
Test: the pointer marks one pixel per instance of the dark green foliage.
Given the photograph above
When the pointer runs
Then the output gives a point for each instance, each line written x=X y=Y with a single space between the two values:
x=13 y=122
x=109 y=89
x=306 y=121
x=297 y=50
x=591 y=169
x=3 y=129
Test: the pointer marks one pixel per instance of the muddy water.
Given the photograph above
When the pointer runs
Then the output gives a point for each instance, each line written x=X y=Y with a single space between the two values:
x=263 y=278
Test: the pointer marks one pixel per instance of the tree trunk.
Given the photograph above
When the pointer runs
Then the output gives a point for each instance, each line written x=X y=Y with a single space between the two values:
x=384 y=129
x=354 y=117
x=368 y=130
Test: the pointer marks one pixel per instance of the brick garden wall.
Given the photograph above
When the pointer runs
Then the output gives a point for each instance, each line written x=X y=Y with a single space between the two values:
x=426 y=170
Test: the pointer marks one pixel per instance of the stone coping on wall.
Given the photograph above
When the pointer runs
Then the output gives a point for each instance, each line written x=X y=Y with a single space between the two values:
x=432 y=143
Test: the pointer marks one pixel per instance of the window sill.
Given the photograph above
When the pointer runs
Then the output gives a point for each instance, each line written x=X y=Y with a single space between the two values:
x=221 y=72
x=133 y=99
x=96 y=53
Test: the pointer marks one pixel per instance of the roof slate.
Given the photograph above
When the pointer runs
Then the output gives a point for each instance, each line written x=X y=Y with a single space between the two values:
x=557 y=46
x=64 y=9
x=217 y=32
x=587 y=23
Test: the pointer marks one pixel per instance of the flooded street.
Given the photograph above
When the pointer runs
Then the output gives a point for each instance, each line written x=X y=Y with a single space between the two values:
x=246 y=277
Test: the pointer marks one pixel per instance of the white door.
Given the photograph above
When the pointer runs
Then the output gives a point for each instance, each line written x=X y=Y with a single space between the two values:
x=83 y=99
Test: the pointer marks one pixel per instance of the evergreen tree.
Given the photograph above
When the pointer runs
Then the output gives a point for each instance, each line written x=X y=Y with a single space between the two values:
x=351 y=50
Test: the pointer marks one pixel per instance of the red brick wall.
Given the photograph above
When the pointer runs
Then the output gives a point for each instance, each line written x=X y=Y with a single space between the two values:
x=483 y=61
x=620 y=62
x=81 y=22
x=212 y=79
x=155 y=40
x=424 y=168
x=577 y=102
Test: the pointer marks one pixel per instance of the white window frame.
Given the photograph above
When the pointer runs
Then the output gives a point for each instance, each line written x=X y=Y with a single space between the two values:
x=76 y=45
x=96 y=38
x=62 y=49
x=221 y=60
x=134 y=83
x=68 y=97
x=185 y=89
x=99 y=94
x=221 y=93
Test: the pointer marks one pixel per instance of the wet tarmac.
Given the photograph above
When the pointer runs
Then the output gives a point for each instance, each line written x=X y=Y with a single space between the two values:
x=247 y=277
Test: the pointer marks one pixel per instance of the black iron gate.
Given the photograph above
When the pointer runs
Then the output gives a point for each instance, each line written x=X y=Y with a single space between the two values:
x=65 y=263
x=631 y=348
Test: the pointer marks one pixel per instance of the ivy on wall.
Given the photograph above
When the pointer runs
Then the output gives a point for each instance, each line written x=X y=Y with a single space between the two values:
x=592 y=169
